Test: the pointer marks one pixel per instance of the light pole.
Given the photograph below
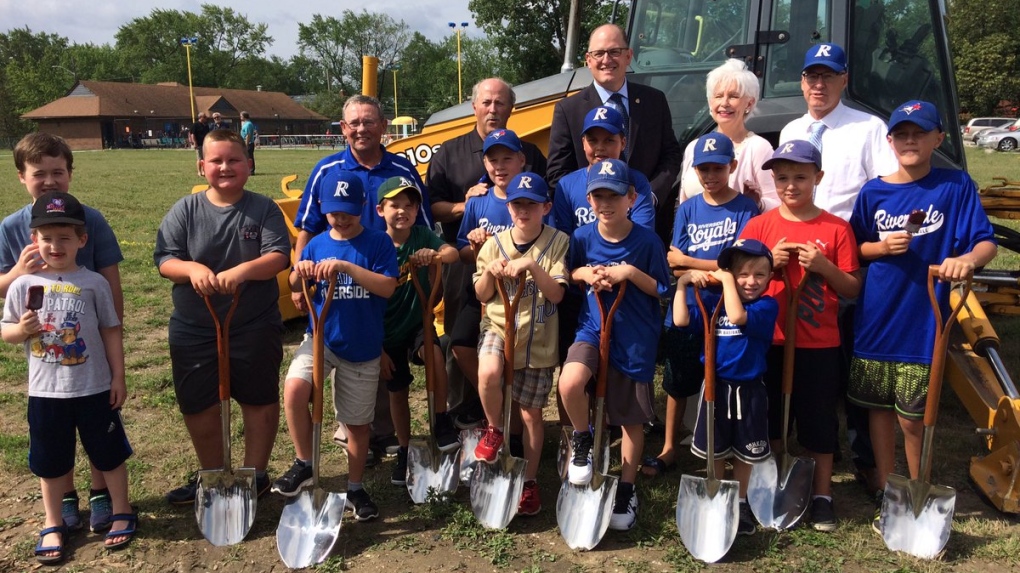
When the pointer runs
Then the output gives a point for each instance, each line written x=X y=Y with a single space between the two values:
x=460 y=84
x=394 y=67
x=188 y=43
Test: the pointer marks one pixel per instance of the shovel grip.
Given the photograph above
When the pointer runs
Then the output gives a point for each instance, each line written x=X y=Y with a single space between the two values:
x=223 y=343
x=427 y=305
x=510 y=305
x=709 y=322
x=318 y=345
x=938 y=355
x=605 y=331
x=790 y=326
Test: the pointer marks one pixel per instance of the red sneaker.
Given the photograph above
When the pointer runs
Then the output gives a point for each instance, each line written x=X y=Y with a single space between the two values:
x=489 y=445
x=530 y=504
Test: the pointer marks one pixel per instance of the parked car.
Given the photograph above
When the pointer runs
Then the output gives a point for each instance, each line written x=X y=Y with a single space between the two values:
x=977 y=125
x=1004 y=139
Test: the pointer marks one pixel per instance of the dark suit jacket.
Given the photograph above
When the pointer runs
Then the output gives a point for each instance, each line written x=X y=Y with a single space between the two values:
x=654 y=148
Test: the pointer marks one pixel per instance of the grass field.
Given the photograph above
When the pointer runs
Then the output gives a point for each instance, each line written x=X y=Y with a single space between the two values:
x=135 y=188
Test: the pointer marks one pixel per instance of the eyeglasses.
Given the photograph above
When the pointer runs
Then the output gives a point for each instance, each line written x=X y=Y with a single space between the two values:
x=812 y=78
x=612 y=53
x=367 y=124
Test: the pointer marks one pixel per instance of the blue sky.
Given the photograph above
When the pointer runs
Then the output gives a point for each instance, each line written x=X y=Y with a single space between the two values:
x=98 y=21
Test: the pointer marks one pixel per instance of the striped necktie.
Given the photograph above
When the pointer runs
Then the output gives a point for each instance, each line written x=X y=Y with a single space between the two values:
x=616 y=100
x=816 y=130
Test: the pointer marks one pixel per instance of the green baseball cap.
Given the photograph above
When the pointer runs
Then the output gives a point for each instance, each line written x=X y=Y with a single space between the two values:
x=395 y=186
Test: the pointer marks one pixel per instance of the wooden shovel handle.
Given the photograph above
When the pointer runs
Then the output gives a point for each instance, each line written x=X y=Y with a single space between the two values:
x=428 y=304
x=710 y=342
x=318 y=345
x=223 y=342
x=606 y=329
x=510 y=305
x=938 y=355
x=790 y=326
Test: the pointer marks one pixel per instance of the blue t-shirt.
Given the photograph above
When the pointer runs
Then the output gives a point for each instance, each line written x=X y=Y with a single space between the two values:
x=354 y=327
x=635 y=337
x=100 y=251
x=324 y=178
x=572 y=210
x=740 y=350
x=702 y=231
x=901 y=328
x=488 y=211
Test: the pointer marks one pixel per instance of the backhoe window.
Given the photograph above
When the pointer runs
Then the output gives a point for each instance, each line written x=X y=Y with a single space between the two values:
x=686 y=33
x=808 y=23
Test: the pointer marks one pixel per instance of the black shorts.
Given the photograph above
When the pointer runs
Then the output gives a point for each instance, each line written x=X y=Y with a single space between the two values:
x=468 y=328
x=51 y=426
x=683 y=372
x=403 y=355
x=741 y=422
x=569 y=310
x=814 y=399
x=255 y=357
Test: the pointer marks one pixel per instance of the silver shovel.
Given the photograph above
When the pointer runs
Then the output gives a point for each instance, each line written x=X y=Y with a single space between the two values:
x=310 y=522
x=225 y=499
x=779 y=495
x=707 y=510
x=917 y=516
x=496 y=488
x=428 y=469
x=583 y=511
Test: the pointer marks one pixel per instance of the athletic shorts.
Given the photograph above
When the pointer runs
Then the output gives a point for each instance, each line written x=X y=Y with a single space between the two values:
x=741 y=422
x=628 y=402
x=882 y=385
x=683 y=372
x=531 y=385
x=569 y=310
x=51 y=426
x=255 y=358
x=467 y=330
x=814 y=399
x=403 y=355
x=355 y=384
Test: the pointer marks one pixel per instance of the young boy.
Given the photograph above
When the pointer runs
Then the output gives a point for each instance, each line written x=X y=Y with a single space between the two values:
x=45 y=163
x=220 y=243
x=603 y=255
x=398 y=202
x=75 y=354
x=894 y=335
x=808 y=239
x=534 y=254
x=744 y=334
x=705 y=225
x=364 y=263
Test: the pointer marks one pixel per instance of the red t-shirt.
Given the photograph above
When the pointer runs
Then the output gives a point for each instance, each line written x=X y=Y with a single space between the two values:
x=818 y=308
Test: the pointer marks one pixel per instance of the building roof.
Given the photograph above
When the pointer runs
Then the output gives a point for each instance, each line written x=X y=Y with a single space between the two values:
x=88 y=99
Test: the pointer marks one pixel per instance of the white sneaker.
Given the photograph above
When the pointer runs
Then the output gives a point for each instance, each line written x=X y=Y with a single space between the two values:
x=580 y=470
x=624 y=513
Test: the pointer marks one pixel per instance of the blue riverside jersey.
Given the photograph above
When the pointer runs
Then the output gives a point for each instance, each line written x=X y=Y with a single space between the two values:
x=635 y=337
x=740 y=351
x=354 y=327
x=488 y=211
x=323 y=179
x=901 y=327
x=702 y=231
x=572 y=210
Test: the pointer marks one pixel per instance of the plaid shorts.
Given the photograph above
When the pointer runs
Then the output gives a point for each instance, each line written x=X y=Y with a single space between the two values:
x=886 y=385
x=531 y=385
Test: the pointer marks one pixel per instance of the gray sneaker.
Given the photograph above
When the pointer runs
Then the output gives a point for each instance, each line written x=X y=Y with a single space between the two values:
x=297 y=477
x=362 y=505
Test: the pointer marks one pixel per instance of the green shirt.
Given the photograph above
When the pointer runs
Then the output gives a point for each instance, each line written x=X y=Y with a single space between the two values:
x=403 y=314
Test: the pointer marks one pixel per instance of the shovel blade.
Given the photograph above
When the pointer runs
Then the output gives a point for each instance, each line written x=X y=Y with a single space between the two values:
x=707 y=523
x=309 y=527
x=496 y=490
x=565 y=453
x=779 y=501
x=916 y=517
x=429 y=470
x=583 y=511
x=225 y=504
x=468 y=442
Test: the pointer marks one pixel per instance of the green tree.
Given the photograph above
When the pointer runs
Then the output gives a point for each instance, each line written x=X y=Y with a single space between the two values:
x=337 y=45
x=982 y=35
x=27 y=77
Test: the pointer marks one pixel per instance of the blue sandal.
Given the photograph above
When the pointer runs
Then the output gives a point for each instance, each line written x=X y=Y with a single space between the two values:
x=40 y=550
x=129 y=531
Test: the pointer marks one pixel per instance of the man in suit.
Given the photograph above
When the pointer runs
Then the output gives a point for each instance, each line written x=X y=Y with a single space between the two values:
x=652 y=147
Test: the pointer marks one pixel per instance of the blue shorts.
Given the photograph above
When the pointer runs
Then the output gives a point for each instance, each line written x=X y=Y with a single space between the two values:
x=741 y=422
x=683 y=371
x=51 y=426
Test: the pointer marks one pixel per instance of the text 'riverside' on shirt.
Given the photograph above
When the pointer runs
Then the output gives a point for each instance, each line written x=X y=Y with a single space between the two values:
x=887 y=223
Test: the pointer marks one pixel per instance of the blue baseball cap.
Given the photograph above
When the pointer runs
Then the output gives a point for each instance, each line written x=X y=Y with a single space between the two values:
x=504 y=137
x=611 y=174
x=748 y=246
x=713 y=147
x=797 y=151
x=528 y=185
x=347 y=196
x=605 y=117
x=828 y=55
x=920 y=113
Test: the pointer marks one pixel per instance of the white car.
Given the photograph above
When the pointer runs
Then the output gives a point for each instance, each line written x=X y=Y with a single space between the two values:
x=1003 y=139
x=977 y=125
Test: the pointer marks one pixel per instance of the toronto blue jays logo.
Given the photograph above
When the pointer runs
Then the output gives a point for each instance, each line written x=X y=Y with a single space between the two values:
x=909 y=109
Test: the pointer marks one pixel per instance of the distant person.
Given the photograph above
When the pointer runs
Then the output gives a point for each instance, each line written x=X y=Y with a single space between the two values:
x=250 y=135
x=218 y=123
x=196 y=136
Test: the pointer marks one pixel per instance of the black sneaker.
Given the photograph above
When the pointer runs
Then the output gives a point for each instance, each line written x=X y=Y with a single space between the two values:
x=516 y=442
x=262 y=484
x=386 y=444
x=399 y=475
x=447 y=437
x=823 y=517
x=297 y=477
x=362 y=505
x=184 y=495
x=746 y=524
x=467 y=420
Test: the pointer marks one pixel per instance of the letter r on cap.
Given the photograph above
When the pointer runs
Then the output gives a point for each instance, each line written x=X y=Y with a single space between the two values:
x=823 y=50
x=787 y=148
x=709 y=145
x=606 y=169
x=525 y=183
x=341 y=189
x=600 y=114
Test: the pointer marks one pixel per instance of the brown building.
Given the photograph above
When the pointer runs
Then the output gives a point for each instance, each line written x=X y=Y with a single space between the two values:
x=97 y=115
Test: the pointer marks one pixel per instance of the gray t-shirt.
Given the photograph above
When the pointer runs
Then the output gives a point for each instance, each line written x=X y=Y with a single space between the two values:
x=68 y=358
x=221 y=238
